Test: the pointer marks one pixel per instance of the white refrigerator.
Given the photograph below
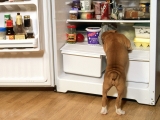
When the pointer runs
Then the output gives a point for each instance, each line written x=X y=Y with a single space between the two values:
x=48 y=61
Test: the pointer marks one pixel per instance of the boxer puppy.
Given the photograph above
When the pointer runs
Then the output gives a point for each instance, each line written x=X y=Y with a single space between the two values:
x=116 y=47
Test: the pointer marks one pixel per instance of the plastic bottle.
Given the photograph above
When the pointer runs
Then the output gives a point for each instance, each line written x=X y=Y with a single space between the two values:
x=9 y=30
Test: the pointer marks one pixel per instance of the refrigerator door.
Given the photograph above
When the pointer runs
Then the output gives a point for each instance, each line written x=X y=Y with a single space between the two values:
x=28 y=62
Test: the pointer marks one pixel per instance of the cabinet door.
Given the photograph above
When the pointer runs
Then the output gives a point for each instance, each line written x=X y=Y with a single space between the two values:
x=138 y=72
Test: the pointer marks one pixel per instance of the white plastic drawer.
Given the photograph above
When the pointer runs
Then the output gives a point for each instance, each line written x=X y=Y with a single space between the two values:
x=91 y=65
x=138 y=72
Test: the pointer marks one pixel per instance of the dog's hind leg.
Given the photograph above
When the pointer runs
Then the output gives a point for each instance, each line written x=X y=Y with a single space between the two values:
x=104 y=98
x=120 y=90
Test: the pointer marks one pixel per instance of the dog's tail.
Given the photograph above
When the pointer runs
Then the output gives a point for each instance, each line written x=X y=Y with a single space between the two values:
x=114 y=75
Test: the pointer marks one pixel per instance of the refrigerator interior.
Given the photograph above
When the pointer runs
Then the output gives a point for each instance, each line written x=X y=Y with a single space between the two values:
x=141 y=65
x=27 y=62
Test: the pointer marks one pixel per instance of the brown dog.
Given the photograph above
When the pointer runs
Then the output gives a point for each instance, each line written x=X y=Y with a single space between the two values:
x=116 y=47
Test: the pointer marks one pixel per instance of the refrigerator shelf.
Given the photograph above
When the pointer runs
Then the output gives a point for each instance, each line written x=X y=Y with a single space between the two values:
x=137 y=54
x=18 y=6
x=29 y=43
x=110 y=21
x=17 y=3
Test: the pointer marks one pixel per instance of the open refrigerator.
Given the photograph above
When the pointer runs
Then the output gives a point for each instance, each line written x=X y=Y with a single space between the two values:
x=46 y=60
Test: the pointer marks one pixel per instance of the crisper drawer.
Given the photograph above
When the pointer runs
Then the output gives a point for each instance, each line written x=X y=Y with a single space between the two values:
x=138 y=72
x=83 y=63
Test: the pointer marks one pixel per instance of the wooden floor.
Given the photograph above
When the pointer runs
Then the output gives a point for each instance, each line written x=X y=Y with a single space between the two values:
x=45 y=104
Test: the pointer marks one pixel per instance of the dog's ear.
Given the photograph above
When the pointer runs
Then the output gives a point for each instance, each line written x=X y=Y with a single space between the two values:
x=127 y=42
x=103 y=36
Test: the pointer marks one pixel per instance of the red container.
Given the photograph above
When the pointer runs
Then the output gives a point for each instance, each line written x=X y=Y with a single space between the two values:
x=105 y=10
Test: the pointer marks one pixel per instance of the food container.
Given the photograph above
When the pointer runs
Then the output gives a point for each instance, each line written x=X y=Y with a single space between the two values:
x=73 y=14
x=85 y=4
x=92 y=35
x=86 y=14
x=2 y=33
x=102 y=10
x=138 y=13
x=142 y=30
x=97 y=9
x=142 y=42
x=71 y=34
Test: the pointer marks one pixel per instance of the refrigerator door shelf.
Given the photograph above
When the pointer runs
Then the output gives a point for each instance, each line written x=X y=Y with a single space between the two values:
x=29 y=43
x=12 y=6
x=19 y=2
x=32 y=8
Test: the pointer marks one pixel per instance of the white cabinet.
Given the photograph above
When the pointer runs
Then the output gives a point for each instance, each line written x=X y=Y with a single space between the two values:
x=142 y=78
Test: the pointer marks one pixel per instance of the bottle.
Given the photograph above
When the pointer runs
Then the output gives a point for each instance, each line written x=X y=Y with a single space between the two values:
x=19 y=31
x=6 y=17
x=9 y=30
x=71 y=35
x=2 y=33
x=120 y=12
x=27 y=26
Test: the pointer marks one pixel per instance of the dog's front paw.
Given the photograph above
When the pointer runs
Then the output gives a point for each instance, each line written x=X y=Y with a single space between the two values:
x=104 y=110
x=119 y=111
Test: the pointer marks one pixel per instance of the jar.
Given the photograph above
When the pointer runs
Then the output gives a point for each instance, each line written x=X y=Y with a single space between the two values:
x=2 y=33
x=73 y=14
x=71 y=34
x=86 y=14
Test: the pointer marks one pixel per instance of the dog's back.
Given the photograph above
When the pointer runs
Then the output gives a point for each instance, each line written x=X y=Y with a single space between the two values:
x=117 y=57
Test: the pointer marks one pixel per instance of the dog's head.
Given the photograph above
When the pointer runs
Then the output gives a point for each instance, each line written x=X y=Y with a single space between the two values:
x=108 y=36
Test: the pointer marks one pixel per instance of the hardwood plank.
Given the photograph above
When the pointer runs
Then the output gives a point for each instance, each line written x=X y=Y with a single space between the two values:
x=45 y=104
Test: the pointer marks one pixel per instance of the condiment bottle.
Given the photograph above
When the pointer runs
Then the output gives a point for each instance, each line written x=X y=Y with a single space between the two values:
x=71 y=35
x=27 y=27
x=9 y=30
x=19 y=31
